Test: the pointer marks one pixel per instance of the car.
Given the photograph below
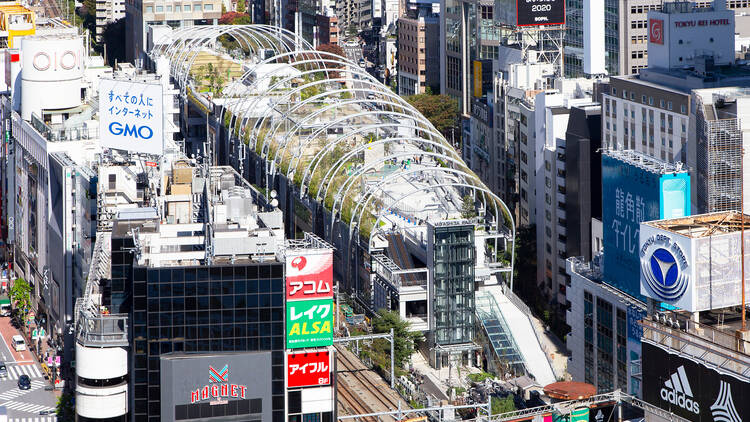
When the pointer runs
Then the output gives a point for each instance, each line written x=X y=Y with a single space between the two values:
x=3 y=370
x=24 y=382
x=18 y=343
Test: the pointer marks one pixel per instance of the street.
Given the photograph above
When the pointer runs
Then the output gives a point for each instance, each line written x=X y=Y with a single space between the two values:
x=23 y=405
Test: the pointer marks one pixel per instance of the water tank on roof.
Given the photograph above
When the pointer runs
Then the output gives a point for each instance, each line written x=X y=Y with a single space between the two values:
x=51 y=73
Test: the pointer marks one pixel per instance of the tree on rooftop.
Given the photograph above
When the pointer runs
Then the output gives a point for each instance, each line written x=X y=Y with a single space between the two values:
x=241 y=6
x=467 y=207
x=440 y=110
x=234 y=18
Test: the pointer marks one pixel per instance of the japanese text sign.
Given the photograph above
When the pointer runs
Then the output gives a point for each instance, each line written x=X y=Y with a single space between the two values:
x=130 y=116
x=308 y=369
x=309 y=275
x=309 y=323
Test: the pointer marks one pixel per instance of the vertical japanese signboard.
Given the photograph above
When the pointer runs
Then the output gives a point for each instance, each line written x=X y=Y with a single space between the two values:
x=309 y=276
x=131 y=116
x=309 y=323
x=309 y=369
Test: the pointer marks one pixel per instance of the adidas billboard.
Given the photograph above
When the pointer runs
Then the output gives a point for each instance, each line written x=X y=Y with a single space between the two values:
x=677 y=391
x=691 y=390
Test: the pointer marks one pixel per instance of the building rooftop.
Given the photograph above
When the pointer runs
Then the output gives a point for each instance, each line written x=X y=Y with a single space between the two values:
x=646 y=162
x=704 y=225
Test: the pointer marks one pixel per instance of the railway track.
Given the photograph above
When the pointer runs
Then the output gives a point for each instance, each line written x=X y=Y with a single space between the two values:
x=359 y=393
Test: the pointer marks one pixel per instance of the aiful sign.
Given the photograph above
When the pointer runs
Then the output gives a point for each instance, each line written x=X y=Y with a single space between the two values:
x=218 y=389
x=308 y=369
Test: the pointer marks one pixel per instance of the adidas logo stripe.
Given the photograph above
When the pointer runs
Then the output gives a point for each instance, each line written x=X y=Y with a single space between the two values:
x=677 y=391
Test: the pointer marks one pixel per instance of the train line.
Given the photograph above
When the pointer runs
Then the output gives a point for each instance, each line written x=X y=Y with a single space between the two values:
x=362 y=391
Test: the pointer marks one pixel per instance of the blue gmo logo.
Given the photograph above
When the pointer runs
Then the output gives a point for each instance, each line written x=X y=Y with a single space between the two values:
x=142 y=132
x=663 y=275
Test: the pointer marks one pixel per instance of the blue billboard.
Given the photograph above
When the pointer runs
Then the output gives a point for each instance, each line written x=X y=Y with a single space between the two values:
x=635 y=189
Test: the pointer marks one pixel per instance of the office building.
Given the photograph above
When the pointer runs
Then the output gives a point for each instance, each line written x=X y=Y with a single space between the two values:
x=191 y=303
x=418 y=46
x=605 y=337
x=140 y=15
x=673 y=110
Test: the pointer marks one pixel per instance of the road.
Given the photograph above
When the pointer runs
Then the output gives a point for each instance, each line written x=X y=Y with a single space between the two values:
x=23 y=405
x=354 y=54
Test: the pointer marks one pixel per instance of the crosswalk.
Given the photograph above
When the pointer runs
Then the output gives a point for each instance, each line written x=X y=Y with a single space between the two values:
x=15 y=371
x=27 y=407
x=16 y=392
x=35 y=419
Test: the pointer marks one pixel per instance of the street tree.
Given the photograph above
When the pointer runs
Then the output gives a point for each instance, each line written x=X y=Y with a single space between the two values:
x=440 y=110
x=20 y=295
x=405 y=340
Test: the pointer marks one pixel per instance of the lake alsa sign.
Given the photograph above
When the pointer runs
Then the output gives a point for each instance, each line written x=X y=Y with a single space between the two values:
x=131 y=116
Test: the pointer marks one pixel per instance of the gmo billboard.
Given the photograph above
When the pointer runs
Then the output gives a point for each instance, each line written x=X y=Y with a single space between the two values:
x=309 y=274
x=691 y=390
x=540 y=12
x=631 y=194
x=309 y=323
x=233 y=386
x=130 y=116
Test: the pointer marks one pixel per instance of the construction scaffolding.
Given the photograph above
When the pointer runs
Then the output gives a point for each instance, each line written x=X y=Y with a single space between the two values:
x=719 y=157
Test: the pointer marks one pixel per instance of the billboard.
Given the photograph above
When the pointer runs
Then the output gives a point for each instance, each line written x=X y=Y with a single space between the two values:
x=309 y=275
x=692 y=273
x=540 y=12
x=309 y=323
x=130 y=116
x=656 y=31
x=196 y=386
x=308 y=369
x=631 y=194
x=692 y=390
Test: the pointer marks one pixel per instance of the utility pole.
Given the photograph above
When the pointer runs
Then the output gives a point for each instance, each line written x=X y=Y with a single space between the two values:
x=393 y=362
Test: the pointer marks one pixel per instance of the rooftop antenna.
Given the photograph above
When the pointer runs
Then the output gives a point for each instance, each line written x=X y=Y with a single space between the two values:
x=742 y=231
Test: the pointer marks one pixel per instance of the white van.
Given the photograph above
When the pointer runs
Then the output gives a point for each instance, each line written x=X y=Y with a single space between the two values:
x=18 y=343
x=3 y=414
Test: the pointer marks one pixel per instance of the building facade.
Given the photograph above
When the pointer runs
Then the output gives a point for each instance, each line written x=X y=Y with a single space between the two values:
x=418 y=47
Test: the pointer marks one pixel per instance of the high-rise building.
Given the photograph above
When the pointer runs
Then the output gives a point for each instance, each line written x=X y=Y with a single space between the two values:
x=418 y=50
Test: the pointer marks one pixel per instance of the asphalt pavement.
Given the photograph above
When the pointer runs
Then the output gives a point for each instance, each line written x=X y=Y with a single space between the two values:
x=23 y=405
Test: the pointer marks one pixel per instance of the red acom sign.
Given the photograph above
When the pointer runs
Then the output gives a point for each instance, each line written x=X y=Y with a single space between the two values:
x=309 y=276
x=308 y=369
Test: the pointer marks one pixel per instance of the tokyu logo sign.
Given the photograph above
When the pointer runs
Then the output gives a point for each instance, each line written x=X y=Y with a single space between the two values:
x=218 y=388
x=664 y=268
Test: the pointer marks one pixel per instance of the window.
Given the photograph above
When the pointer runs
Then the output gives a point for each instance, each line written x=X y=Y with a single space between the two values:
x=149 y=9
x=614 y=91
x=187 y=7
x=169 y=8
x=197 y=7
x=661 y=103
x=683 y=109
x=177 y=8
x=208 y=7
x=159 y=9
x=643 y=99
x=650 y=100
x=669 y=105
x=112 y=181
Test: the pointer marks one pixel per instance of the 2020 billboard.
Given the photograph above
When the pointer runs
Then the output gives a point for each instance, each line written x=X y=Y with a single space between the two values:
x=540 y=12
x=130 y=116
